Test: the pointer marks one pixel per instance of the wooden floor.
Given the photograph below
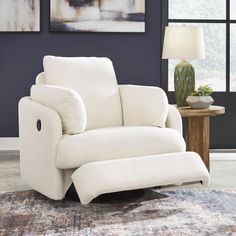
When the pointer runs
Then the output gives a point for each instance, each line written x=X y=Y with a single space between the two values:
x=223 y=175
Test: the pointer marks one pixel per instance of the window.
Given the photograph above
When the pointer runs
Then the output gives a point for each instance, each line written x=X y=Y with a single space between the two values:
x=233 y=57
x=218 y=19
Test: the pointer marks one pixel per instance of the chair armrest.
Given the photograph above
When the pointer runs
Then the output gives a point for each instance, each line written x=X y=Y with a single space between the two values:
x=40 y=130
x=174 y=119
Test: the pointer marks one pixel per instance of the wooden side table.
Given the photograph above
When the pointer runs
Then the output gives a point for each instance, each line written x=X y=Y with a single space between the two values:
x=197 y=134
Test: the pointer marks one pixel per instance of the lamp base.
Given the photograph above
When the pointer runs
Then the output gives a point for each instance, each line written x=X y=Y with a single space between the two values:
x=184 y=81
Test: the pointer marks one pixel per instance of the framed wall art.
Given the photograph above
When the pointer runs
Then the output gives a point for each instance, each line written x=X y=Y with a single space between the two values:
x=19 y=15
x=97 y=15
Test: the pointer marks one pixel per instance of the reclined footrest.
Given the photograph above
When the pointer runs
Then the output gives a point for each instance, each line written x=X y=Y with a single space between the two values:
x=97 y=178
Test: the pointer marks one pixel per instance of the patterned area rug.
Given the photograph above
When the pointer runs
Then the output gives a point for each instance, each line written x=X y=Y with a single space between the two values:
x=181 y=212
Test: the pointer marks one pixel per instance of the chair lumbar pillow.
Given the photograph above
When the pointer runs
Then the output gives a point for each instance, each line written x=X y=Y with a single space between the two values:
x=66 y=102
x=144 y=105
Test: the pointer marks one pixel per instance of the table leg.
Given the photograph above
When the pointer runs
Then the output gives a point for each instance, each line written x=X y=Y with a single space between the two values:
x=197 y=137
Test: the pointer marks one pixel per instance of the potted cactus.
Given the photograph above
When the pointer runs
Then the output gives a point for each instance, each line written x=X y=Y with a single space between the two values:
x=200 y=98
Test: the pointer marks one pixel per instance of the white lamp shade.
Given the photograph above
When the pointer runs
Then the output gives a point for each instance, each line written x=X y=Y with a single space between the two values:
x=183 y=42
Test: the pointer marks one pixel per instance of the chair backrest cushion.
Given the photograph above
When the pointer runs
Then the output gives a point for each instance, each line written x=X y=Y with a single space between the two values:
x=95 y=81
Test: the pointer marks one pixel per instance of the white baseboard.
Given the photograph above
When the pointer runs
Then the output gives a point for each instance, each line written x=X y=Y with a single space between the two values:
x=9 y=144
x=12 y=144
x=220 y=156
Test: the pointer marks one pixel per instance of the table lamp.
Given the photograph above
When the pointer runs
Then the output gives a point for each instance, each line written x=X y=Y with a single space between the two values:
x=183 y=42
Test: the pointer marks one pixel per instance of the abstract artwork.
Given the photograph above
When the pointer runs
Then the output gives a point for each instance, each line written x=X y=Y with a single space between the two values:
x=19 y=15
x=97 y=15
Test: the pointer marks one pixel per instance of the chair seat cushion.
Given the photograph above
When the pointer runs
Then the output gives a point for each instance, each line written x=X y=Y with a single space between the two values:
x=93 y=179
x=116 y=143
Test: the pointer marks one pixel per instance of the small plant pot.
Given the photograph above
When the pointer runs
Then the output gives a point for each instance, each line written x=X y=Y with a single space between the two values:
x=199 y=102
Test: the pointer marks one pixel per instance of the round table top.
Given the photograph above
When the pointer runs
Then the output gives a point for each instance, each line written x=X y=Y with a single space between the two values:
x=211 y=111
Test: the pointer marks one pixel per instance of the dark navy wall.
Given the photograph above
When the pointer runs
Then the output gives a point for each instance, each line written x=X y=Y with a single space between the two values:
x=136 y=58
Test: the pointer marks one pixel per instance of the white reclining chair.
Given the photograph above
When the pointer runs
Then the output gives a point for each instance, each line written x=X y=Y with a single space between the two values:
x=79 y=125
